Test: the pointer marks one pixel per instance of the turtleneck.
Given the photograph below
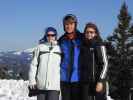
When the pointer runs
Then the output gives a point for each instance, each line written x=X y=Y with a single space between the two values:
x=71 y=36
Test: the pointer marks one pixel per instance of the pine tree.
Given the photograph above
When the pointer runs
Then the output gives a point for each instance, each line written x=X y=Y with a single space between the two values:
x=121 y=55
x=3 y=72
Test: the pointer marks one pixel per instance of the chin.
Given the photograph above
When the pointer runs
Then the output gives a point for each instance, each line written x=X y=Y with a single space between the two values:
x=69 y=32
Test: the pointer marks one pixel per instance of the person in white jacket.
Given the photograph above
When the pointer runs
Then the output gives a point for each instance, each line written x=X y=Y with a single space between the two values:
x=44 y=71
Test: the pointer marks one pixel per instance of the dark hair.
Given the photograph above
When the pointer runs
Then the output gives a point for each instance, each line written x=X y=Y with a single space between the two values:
x=70 y=18
x=48 y=29
x=92 y=25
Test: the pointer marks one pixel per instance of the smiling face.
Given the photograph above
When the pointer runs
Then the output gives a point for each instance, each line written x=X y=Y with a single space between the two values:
x=90 y=33
x=69 y=27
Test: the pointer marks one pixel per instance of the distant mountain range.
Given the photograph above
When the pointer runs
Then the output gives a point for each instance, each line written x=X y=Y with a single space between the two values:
x=16 y=63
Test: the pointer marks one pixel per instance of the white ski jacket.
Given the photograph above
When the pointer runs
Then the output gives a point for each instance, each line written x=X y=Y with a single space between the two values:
x=45 y=67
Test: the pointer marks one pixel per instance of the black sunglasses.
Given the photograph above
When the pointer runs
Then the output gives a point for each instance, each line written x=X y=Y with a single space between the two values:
x=52 y=35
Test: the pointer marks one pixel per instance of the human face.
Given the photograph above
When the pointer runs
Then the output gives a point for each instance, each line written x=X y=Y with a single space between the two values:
x=70 y=27
x=51 y=36
x=90 y=33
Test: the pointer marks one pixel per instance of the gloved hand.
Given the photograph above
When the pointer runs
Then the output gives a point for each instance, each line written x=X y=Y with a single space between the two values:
x=32 y=86
x=33 y=91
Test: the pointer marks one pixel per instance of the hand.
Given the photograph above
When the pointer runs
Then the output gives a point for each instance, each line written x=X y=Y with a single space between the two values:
x=33 y=86
x=99 y=87
x=53 y=42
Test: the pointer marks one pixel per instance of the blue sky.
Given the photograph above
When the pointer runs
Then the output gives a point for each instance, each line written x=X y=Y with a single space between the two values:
x=22 y=22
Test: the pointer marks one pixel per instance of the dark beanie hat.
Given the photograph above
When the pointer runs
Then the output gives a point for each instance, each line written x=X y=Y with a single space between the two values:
x=49 y=29
x=70 y=18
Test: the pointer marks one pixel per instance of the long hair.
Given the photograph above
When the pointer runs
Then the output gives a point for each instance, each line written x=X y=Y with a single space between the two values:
x=92 y=25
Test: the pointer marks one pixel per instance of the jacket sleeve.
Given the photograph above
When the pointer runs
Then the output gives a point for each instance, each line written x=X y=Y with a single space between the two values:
x=103 y=61
x=33 y=67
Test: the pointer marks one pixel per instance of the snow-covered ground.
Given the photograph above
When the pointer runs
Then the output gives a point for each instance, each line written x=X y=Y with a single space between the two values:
x=14 y=90
x=17 y=63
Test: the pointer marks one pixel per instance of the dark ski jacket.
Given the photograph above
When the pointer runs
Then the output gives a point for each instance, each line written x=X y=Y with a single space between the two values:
x=93 y=61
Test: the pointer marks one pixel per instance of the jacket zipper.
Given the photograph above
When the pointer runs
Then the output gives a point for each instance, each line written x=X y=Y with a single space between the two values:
x=93 y=63
x=47 y=69
x=93 y=68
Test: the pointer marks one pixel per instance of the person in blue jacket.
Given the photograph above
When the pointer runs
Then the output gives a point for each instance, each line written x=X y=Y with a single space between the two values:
x=70 y=48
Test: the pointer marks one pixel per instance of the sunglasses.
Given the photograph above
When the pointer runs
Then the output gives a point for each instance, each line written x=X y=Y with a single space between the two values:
x=52 y=35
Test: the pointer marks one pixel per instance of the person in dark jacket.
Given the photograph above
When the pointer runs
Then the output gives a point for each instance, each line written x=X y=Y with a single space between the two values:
x=70 y=48
x=93 y=64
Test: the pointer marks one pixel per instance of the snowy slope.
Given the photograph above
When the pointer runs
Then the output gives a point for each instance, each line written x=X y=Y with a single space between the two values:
x=14 y=90
x=16 y=62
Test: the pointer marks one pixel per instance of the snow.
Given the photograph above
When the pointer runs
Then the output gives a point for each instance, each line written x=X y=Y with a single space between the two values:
x=17 y=90
x=14 y=90
x=17 y=53
x=30 y=50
